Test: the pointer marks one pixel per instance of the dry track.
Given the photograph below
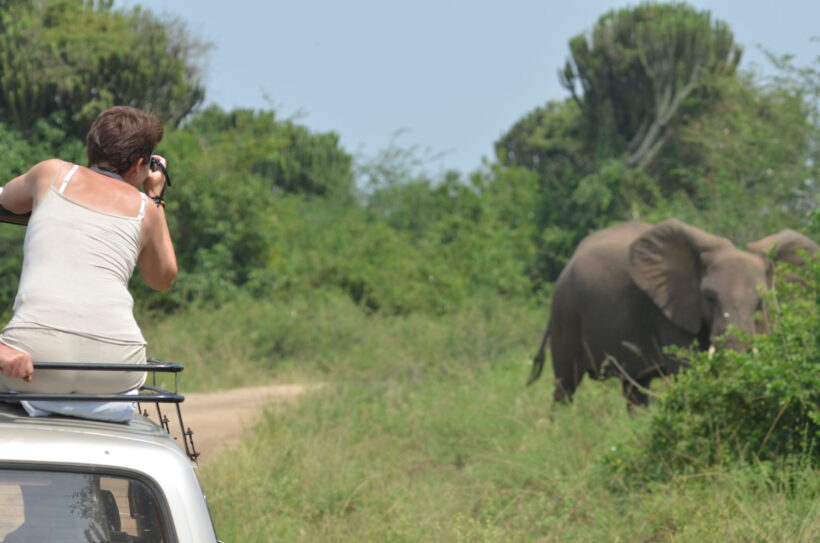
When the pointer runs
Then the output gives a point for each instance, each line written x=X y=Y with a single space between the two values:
x=218 y=419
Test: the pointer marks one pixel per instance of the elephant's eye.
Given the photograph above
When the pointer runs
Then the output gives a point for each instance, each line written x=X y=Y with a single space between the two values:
x=710 y=297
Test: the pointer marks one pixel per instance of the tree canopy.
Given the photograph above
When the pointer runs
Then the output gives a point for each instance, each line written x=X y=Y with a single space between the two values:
x=67 y=60
x=637 y=67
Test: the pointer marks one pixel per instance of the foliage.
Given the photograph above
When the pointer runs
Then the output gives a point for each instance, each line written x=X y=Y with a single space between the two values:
x=323 y=245
x=67 y=60
x=266 y=206
x=481 y=228
x=414 y=246
x=802 y=81
x=748 y=167
x=576 y=195
x=547 y=140
x=235 y=172
x=761 y=406
x=286 y=155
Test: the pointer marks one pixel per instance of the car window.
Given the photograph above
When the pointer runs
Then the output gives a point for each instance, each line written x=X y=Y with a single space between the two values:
x=61 y=507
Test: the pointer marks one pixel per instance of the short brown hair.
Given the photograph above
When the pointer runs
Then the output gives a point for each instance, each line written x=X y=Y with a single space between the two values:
x=120 y=136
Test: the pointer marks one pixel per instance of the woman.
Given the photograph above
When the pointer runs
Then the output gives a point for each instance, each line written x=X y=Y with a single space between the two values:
x=88 y=229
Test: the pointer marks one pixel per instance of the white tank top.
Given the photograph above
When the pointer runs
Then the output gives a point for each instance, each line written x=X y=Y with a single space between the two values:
x=76 y=265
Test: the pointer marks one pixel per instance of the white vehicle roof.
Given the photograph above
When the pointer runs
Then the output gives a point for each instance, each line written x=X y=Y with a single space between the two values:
x=37 y=435
x=140 y=448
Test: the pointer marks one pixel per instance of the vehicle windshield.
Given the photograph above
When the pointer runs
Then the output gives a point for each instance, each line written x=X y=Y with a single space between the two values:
x=61 y=507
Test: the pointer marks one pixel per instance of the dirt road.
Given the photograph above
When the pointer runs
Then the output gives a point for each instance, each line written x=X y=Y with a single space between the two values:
x=218 y=419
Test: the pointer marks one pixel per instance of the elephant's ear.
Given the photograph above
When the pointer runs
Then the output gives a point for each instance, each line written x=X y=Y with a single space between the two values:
x=667 y=263
x=784 y=246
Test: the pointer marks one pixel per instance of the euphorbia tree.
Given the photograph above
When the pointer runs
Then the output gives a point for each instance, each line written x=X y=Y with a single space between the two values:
x=633 y=71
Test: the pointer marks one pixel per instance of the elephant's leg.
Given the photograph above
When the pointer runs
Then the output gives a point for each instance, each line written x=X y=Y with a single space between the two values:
x=566 y=362
x=565 y=388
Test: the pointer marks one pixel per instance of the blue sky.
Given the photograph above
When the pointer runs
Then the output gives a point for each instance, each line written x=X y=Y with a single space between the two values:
x=448 y=76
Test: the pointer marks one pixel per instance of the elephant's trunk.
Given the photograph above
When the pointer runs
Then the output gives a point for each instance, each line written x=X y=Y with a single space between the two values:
x=738 y=346
x=732 y=339
x=733 y=325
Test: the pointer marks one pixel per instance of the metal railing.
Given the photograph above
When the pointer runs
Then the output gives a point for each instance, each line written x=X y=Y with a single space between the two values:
x=13 y=218
x=147 y=393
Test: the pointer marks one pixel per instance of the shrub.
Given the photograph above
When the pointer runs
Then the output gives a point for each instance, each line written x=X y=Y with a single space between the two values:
x=761 y=406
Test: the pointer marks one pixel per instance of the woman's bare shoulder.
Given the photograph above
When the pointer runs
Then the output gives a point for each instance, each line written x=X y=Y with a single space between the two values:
x=49 y=166
x=45 y=172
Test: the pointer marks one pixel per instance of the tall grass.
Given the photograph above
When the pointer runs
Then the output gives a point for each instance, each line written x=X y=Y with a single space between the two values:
x=426 y=432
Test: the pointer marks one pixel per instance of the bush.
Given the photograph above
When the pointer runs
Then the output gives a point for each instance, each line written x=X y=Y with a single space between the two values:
x=761 y=406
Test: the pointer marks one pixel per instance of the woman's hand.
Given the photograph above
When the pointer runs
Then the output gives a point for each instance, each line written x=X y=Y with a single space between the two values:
x=155 y=180
x=15 y=364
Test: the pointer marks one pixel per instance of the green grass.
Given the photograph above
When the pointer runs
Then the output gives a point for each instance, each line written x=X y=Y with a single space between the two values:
x=426 y=432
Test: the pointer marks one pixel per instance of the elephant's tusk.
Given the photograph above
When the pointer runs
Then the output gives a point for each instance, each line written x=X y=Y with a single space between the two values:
x=712 y=351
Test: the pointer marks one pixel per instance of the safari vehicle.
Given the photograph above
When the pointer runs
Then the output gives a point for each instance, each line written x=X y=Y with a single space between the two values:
x=72 y=480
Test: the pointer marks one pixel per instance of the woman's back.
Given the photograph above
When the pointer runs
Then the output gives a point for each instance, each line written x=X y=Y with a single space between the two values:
x=78 y=260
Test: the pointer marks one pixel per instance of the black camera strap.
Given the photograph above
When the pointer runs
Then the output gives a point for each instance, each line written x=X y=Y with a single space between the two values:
x=156 y=164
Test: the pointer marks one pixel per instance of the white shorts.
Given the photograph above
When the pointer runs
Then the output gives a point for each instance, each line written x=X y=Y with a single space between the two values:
x=53 y=346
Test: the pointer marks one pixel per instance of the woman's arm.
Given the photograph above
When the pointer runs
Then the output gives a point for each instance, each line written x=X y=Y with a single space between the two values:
x=19 y=194
x=157 y=259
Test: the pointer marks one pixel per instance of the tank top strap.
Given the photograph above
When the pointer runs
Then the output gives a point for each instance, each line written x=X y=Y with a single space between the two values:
x=68 y=177
x=143 y=202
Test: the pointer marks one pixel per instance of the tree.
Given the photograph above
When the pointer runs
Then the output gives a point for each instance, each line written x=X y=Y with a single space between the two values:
x=287 y=155
x=636 y=69
x=67 y=60
x=577 y=193
x=744 y=168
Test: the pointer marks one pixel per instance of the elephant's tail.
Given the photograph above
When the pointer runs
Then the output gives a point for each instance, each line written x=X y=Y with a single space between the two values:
x=538 y=361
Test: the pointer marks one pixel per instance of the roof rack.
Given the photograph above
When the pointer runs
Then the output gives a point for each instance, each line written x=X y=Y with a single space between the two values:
x=147 y=393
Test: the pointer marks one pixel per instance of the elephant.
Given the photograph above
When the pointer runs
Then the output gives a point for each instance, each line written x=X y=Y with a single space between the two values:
x=633 y=289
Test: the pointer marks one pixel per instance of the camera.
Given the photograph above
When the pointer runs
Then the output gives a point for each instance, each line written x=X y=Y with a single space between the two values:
x=154 y=164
